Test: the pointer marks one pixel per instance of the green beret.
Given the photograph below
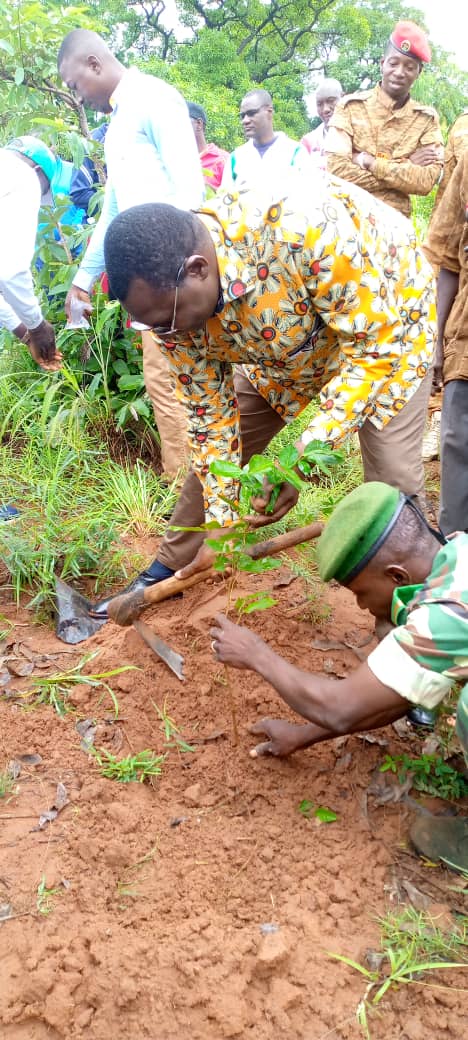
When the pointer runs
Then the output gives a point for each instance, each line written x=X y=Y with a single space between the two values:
x=356 y=529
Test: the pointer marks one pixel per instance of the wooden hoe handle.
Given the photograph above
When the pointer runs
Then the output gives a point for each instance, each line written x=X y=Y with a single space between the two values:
x=125 y=608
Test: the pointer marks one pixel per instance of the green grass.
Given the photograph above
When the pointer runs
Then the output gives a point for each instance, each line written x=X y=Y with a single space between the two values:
x=430 y=774
x=76 y=502
x=413 y=947
x=7 y=783
x=134 y=768
x=54 y=690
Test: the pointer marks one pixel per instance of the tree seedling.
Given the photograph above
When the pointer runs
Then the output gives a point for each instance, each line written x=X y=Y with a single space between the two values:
x=132 y=769
x=172 y=735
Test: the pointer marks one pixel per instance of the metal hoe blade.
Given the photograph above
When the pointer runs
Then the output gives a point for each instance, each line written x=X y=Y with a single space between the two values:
x=173 y=660
x=74 y=623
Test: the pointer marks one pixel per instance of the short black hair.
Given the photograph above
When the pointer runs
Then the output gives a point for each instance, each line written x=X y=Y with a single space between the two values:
x=196 y=111
x=149 y=242
x=263 y=96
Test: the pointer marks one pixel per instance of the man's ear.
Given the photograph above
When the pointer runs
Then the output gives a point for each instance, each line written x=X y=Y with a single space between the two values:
x=94 y=63
x=196 y=266
x=398 y=575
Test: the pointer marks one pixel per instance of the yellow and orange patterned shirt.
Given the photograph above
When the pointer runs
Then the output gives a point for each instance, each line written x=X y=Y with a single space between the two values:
x=325 y=296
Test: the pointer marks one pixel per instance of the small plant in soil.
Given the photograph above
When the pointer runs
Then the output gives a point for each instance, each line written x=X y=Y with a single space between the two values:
x=7 y=783
x=45 y=897
x=430 y=774
x=412 y=946
x=320 y=812
x=172 y=734
x=132 y=769
x=55 y=689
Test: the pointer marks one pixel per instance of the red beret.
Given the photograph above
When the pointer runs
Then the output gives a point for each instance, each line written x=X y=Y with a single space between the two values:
x=409 y=39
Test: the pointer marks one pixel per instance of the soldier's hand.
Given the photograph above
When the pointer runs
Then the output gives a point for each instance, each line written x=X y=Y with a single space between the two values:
x=74 y=293
x=427 y=154
x=287 y=498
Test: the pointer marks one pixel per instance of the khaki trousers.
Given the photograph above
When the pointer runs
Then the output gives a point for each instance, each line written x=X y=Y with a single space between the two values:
x=392 y=455
x=168 y=412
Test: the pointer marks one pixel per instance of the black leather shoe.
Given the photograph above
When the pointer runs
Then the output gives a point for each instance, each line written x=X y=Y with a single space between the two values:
x=424 y=717
x=139 y=584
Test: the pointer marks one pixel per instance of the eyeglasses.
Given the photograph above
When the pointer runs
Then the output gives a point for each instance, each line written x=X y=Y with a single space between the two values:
x=162 y=330
x=250 y=112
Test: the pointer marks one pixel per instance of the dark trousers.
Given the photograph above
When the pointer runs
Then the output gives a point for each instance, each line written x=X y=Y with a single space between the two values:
x=454 y=457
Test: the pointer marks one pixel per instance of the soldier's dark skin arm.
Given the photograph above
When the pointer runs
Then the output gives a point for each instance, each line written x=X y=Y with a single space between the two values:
x=447 y=288
x=333 y=706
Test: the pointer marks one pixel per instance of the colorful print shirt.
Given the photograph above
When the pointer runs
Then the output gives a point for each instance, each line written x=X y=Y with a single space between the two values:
x=326 y=296
x=428 y=650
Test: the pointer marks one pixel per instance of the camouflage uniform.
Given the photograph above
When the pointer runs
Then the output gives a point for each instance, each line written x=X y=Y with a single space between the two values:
x=369 y=122
x=457 y=141
x=427 y=651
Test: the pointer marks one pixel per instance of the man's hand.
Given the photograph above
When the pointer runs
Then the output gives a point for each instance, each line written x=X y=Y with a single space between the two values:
x=205 y=556
x=283 y=737
x=363 y=159
x=427 y=154
x=287 y=498
x=41 y=345
x=233 y=644
x=437 y=375
x=74 y=293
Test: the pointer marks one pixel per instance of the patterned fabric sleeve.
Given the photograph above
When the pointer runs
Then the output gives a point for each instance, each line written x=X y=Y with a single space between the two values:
x=206 y=389
x=358 y=305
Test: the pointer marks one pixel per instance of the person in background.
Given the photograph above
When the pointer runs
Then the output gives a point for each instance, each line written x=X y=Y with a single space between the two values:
x=457 y=141
x=265 y=162
x=212 y=158
x=85 y=181
x=151 y=156
x=323 y=296
x=327 y=96
x=382 y=139
x=446 y=247
x=27 y=169
x=379 y=546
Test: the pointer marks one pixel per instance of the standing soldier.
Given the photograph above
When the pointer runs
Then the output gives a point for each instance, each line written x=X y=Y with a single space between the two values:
x=447 y=247
x=382 y=139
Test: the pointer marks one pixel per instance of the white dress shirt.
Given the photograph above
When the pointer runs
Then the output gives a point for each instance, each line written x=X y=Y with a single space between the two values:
x=151 y=156
x=20 y=199
x=268 y=175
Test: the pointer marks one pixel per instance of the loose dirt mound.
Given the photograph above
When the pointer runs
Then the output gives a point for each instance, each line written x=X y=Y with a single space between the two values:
x=201 y=907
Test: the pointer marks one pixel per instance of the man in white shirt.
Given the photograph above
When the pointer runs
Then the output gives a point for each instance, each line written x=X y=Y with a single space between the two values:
x=268 y=158
x=327 y=96
x=151 y=156
x=27 y=168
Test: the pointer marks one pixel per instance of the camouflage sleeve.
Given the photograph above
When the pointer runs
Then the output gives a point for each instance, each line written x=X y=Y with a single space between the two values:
x=442 y=244
x=405 y=176
x=339 y=149
x=462 y=721
x=400 y=669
